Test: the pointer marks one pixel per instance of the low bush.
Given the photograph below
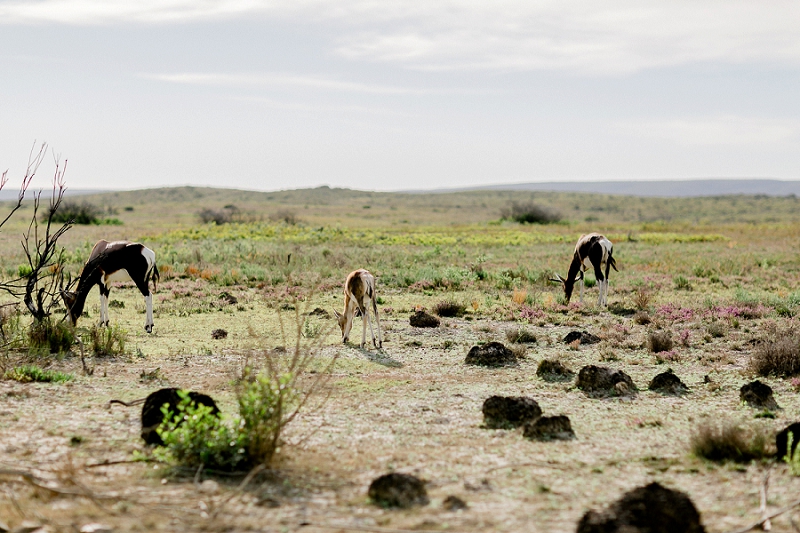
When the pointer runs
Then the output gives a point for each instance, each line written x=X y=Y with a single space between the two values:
x=730 y=442
x=717 y=329
x=520 y=336
x=642 y=298
x=659 y=341
x=682 y=283
x=449 y=308
x=778 y=356
x=108 y=340
x=78 y=213
x=50 y=336
x=30 y=373
x=530 y=213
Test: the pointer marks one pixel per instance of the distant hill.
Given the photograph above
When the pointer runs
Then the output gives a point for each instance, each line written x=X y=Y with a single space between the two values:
x=12 y=193
x=666 y=188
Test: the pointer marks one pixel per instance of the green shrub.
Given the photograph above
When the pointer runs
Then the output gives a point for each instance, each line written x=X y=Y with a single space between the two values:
x=193 y=436
x=78 y=213
x=530 y=213
x=682 y=283
x=50 y=336
x=108 y=340
x=29 y=373
x=24 y=271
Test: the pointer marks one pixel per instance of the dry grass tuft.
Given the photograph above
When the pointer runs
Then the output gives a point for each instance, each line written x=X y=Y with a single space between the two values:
x=642 y=299
x=659 y=341
x=642 y=318
x=779 y=356
x=730 y=442
x=518 y=296
x=520 y=336
x=449 y=308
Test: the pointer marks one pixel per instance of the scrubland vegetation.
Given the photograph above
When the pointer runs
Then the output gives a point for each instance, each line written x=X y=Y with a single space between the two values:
x=708 y=287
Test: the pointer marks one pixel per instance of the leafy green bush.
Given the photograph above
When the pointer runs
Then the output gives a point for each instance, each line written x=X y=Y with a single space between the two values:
x=29 y=373
x=50 y=336
x=194 y=436
x=79 y=213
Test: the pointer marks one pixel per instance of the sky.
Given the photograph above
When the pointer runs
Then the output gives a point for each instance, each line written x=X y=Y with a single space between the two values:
x=398 y=95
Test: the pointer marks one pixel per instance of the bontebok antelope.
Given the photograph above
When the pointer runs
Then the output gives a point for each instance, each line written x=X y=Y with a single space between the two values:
x=592 y=250
x=109 y=262
x=359 y=291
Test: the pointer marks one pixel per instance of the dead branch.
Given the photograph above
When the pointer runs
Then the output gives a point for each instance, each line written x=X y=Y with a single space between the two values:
x=39 y=483
x=373 y=529
x=766 y=523
x=760 y=523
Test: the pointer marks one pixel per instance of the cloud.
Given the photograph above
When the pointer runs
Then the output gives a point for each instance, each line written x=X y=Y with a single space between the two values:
x=297 y=81
x=606 y=38
x=722 y=130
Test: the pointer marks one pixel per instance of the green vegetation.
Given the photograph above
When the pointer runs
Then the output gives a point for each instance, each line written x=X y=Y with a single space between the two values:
x=32 y=373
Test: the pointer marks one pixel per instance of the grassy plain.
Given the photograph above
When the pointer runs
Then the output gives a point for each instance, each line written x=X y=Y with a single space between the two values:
x=718 y=274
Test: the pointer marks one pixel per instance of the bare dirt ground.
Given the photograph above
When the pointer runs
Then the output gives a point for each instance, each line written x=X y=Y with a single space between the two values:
x=414 y=407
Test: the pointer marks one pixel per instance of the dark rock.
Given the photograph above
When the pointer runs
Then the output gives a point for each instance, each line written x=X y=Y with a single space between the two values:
x=219 y=334
x=320 y=312
x=549 y=428
x=505 y=412
x=782 y=440
x=583 y=336
x=649 y=509
x=758 y=395
x=454 y=503
x=668 y=383
x=398 y=490
x=152 y=415
x=491 y=354
x=600 y=381
x=421 y=319
x=550 y=370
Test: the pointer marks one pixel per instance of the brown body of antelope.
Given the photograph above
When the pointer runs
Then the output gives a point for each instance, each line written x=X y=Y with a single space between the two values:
x=359 y=293
x=592 y=250
x=110 y=262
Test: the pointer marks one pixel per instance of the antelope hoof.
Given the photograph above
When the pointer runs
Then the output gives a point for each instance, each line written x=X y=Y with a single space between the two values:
x=149 y=328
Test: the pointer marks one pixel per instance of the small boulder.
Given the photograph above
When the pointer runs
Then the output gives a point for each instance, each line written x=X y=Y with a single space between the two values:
x=649 y=509
x=758 y=395
x=548 y=428
x=505 y=412
x=668 y=383
x=219 y=334
x=421 y=319
x=398 y=490
x=491 y=354
x=152 y=417
x=320 y=312
x=601 y=381
x=551 y=370
x=583 y=336
x=782 y=440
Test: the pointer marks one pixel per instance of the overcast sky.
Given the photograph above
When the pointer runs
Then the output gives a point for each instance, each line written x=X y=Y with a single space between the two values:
x=383 y=95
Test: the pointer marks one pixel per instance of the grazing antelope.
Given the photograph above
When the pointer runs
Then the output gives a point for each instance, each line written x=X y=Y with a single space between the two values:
x=109 y=262
x=592 y=250
x=359 y=290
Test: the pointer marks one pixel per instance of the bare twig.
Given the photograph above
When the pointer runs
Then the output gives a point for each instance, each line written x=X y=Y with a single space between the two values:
x=39 y=483
x=766 y=523
x=757 y=525
x=373 y=529
x=246 y=481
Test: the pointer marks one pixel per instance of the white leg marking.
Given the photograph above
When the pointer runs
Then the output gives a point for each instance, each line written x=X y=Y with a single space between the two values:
x=581 y=290
x=103 y=309
x=364 y=319
x=378 y=322
x=148 y=322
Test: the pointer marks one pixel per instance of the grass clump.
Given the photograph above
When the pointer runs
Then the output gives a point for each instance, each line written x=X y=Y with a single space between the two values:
x=108 y=340
x=682 y=283
x=717 y=329
x=33 y=373
x=730 y=442
x=50 y=336
x=520 y=336
x=530 y=213
x=659 y=341
x=778 y=356
x=449 y=308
